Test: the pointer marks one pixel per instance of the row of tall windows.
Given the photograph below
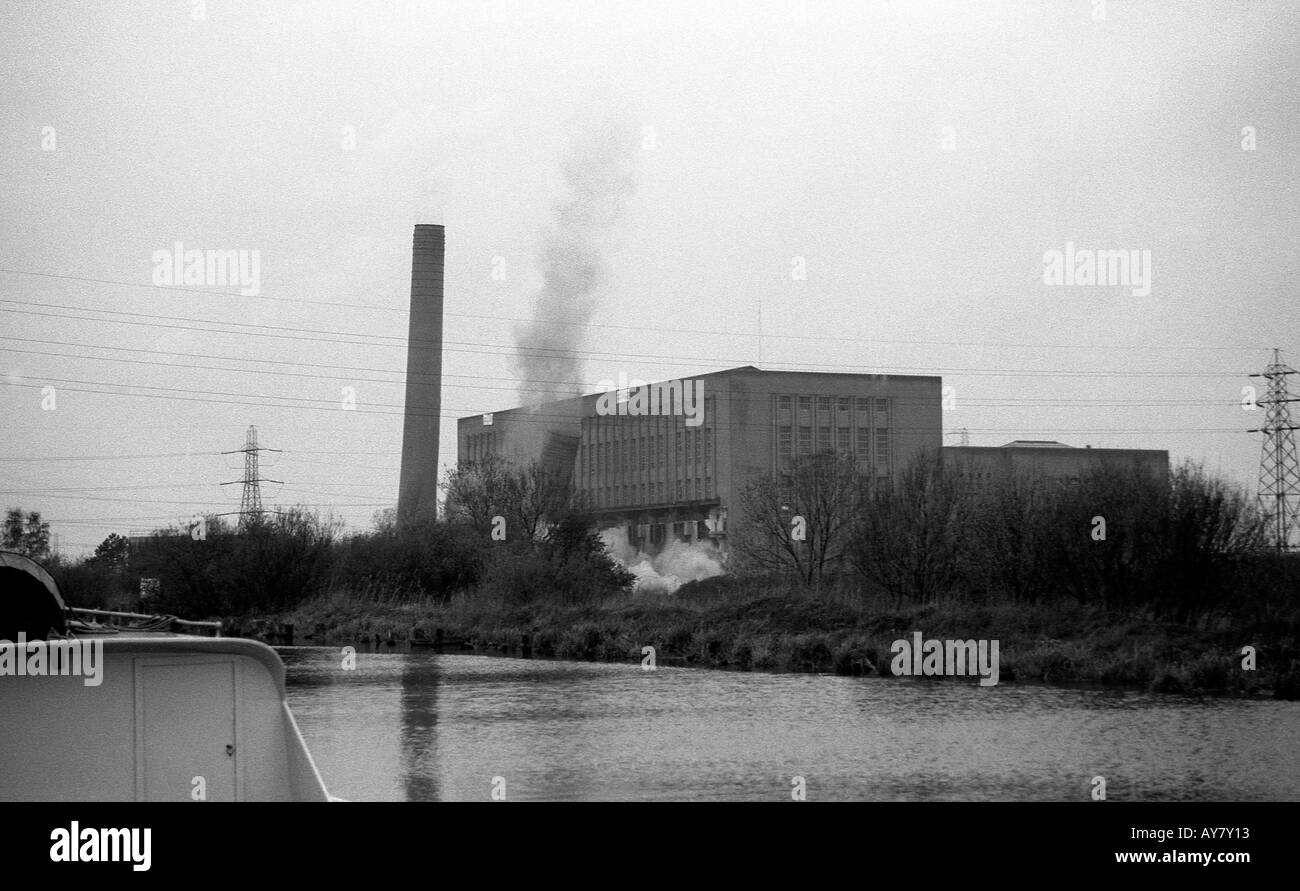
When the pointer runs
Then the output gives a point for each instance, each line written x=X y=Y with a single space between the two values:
x=642 y=461
x=853 y=425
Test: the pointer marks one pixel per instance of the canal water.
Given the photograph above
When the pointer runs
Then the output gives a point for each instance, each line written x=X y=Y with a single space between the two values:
x=424 y=727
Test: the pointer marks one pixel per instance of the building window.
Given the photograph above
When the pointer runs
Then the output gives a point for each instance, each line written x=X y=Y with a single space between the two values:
x=805 y=411
x=882 y=447
x=784 y=447
x=805 y=441
x=842 y=441
x=823 y=439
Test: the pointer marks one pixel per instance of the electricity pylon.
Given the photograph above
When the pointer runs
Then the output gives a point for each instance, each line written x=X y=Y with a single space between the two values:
x=250 y=505
x=1279 y=472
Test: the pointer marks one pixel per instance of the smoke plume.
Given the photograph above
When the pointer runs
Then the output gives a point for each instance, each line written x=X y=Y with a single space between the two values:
x=665 y=572
x=598 y=172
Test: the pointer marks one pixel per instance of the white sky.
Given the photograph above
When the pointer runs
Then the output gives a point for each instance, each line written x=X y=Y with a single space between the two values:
x=779 y=130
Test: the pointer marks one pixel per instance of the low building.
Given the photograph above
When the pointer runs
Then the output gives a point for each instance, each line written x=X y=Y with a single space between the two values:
x=1051 y=460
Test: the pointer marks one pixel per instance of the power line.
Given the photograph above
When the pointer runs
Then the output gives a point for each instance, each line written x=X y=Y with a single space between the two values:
x=993 y=401
x=213 y=292
x=588 y=324
x=154 y=518
x=105 y=457
x=1141 y=403
x=523 y=415
x=401 y=341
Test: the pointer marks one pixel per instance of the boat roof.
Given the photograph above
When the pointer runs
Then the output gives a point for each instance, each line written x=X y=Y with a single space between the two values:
x=150 y=643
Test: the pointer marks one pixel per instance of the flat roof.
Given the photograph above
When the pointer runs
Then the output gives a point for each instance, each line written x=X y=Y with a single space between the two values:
x=740 y=369
x=1003 y=449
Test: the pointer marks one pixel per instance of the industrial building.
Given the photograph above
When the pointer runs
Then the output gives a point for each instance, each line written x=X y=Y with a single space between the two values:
x=668 y=461
x=1049 y=460
x=648 y=464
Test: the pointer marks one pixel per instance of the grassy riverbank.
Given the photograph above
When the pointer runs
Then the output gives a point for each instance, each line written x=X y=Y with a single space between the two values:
x=723 y=625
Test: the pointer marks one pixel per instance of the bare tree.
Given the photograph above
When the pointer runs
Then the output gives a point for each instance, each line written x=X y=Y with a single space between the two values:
x=909 y=538
x=1210 y=528
x=1009 y=530
x=536 y=495
x=799 y=521
x=527 y=496
x=475 y=492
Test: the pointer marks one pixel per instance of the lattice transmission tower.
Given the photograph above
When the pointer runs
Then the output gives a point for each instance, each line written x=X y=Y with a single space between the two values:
x=250 y=505
x=1279 y=471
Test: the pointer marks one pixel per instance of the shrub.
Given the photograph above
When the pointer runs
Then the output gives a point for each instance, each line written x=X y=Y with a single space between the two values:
x=855 y=656
x=428 y=558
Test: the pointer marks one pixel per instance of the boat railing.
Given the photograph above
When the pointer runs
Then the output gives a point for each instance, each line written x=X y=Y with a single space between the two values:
x=125 y=621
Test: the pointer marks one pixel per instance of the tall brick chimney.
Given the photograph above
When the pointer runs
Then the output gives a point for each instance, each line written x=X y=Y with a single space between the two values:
x=418 y=490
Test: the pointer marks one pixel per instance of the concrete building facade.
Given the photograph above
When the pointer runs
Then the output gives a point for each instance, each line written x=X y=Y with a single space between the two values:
x=1050 y=460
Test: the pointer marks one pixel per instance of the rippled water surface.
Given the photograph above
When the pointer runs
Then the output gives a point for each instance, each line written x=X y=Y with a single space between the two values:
x=417 y=726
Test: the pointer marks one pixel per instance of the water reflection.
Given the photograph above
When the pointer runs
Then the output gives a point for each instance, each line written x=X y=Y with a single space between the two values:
x=420 y=726
x=419 y=722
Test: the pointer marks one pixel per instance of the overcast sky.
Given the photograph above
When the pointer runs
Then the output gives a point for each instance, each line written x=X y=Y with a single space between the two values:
x=920 y=158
